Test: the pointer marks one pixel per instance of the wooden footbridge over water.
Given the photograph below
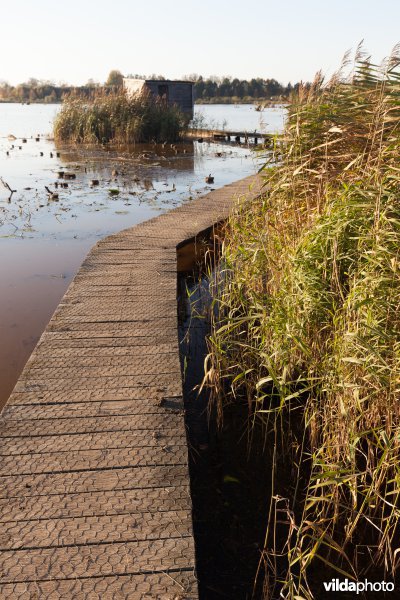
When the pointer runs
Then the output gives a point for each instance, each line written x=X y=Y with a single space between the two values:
x=95 y=491
x=234 y=136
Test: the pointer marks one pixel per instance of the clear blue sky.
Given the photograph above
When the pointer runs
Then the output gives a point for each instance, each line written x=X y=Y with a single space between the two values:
x=75 y=40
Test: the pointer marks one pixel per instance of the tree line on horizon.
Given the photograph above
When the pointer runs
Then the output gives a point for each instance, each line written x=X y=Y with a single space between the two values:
x=206 y=89
x=232 y=87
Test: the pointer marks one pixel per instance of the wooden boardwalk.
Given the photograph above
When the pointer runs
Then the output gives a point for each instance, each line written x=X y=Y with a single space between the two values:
x=228 y=136
x=94 y=497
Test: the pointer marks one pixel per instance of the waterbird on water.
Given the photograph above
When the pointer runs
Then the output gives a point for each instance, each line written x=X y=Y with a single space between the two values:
x=52 y=195
x=210 y=179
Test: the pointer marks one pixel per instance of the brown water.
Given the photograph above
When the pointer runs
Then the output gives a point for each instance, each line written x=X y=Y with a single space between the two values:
x=43 y=242
x=32 y=284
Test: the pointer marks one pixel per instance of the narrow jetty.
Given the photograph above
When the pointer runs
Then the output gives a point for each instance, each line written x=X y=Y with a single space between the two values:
x=95 y=490
x=223 y=135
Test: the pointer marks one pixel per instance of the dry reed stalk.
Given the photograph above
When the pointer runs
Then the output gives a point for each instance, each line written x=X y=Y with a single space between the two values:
x=308 y=329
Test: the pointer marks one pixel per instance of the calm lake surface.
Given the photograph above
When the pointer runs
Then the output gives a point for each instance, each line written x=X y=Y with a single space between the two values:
x=241 y=117
x=43 y=242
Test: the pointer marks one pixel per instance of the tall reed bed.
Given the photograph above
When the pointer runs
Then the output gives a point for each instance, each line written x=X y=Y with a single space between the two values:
x=308 y=331
x=117 y=117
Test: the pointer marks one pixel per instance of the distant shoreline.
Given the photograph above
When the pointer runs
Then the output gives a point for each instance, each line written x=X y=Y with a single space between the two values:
x=235 y=100
x=200 y=101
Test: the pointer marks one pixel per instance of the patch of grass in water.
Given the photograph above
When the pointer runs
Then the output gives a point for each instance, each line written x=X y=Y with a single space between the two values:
x=117 y=117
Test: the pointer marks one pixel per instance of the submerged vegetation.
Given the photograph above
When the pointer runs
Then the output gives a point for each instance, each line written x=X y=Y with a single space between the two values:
x=116 y=117
x=308 y=331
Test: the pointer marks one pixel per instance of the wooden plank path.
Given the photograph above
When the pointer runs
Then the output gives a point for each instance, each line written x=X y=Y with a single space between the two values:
x=94 y=496
x=225 y=135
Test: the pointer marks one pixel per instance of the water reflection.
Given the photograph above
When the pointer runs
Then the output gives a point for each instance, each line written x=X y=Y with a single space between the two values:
x=128 y=181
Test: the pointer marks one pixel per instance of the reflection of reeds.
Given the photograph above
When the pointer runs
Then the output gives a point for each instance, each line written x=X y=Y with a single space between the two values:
x=309 y=331
x=117 y=117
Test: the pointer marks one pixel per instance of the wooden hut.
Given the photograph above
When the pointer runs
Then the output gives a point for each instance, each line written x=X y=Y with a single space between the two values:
x=173 y=92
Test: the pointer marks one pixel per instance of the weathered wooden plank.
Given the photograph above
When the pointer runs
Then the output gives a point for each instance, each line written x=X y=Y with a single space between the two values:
x=100 y=353
x=88 y=359
x=97 y=560
x=86 y=504
x=104 y=458
x=82 y=531
x=93 y=395
x=19 y=446
x=77 y=425
x=90 y=383
x=163 y=586
x=143 y=364
x=20 y=486
x=64 y=410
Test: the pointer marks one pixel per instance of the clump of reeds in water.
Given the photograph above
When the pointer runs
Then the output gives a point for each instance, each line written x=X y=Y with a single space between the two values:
x=309 y=331
x=117 y=117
